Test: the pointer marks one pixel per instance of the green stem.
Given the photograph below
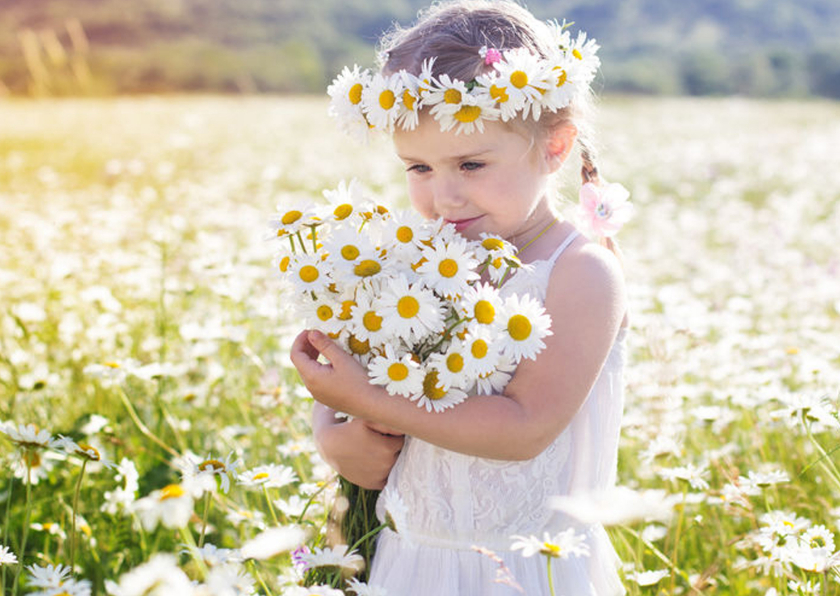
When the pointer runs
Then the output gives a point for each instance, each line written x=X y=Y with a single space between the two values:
x=207 y=500
x=550 y=575
x=6 y=525
x=829 y=467
x=300 y=240
x=256 y=573
x=372 y=532
x=191 y=546
x=73 y=516
x=314 y=242
x=270 y=505
x=142 y=427
x=27 y=513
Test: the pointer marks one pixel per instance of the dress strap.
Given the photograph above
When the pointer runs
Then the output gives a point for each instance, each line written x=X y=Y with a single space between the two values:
x=569 y=239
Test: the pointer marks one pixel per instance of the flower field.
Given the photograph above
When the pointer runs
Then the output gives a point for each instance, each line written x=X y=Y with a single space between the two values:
x=155 y=437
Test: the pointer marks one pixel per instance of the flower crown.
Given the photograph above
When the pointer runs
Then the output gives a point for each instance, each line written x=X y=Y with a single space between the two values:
x=520 y=82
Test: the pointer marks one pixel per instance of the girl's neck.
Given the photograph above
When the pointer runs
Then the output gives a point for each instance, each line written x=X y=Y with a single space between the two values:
x=539 y=229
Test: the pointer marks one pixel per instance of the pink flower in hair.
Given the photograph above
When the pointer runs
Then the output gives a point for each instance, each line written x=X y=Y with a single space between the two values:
x=490 y=55
x=604 y=209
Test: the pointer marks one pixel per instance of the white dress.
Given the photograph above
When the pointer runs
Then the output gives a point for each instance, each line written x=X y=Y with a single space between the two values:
x=454 y=501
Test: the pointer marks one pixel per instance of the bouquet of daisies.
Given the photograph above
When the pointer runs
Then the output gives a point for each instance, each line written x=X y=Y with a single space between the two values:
x=416 y=303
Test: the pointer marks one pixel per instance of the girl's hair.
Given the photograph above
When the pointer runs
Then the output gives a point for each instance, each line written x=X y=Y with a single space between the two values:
x=454 y=31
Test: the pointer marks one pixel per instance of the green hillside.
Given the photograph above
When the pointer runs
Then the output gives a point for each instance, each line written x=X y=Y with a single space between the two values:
x=751 y=47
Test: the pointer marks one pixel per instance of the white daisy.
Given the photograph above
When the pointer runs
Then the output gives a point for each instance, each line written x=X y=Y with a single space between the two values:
x=171 y=506
x=367 y=321
x=381 y=100
x=268 y=476
x=445 y=95
x=497 y=90
x=207 y=472
x=333 y=557
x=346 y=97
x=343 y=198
x=584 y=51
x=404 y=233
x=28 y=436
x=525 y=324
x=229 y=580
x=563 y=81
x=425 y=80
x=159 y=576
x=345 y=246
x=495 y=381
x=474 y=109
x=397 y=372
x=481 y=351
x=411 y=311
x=409 y=110
x=309 y=273
x=433 y=396
x=449 y=268
x=481 y=303
x=451 y=366
x=7 y=557
x=363 y=589
x=523 y=77
x=369 y=266
x=48 y=576
x=322 y=313
x=648 y=577
x=290 y=221
x=563 y=545
x=214 y=556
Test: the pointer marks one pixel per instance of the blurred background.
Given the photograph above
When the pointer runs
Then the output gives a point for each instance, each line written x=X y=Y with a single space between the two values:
x=755 y=48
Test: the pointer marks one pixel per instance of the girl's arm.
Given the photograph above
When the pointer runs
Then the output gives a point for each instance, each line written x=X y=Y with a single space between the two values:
x=586 y=301
x=361 y=452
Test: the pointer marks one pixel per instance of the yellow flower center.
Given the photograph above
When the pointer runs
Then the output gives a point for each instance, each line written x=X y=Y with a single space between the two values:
x=448 y=267
x=346 y=306
x=479 y=348
x=552 y=550
x=90 y=452
x=261 y=476
x=309 y=273
x=499 y=93
x=355 y=94
x=431 y=389
x=367 y=268
x=112 y=364
x=452 y=96
x=518 y=79
x=284 y=263
x=324 y=312
x=562 y=76
x=576 y=53
x=468 y=114
x=484 y=312
x=405 y=234
x=387 y=99
x=343 y=211
x=408 y=100
x=455 y=363
x=211 y=464
x=290 y=217
x=358 y=346
x=492 y=243
x=519 y=327
x=397 y=371
x=372 y=321
x=349 y=252
x=31 y=458
x=172 y=491
x=408 y=307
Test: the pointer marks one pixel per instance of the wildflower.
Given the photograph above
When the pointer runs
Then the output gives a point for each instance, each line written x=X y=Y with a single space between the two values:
x=409 y=310
x=172 y=506
x=604 y=210
x=690 y=473
x=7 y=557
x=381 y=100
x=561 y=546
x=333 y=557
x=160 y=576
x=228 y=580
x=448 y=268
x=434 y=396
x=48 y=576
x=648 y=578
x=525 y=324
x=521 y=79
x=203 y=475
x=398 y=373
x=268 y=476
x=214 y=556
x=363 y=589
x=272 y=542
x=122 y=497
x=28 y=436
x=312 y=591
x=620 y=505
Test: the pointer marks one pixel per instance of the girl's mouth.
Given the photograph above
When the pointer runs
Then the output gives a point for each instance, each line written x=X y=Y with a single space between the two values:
x=463 y=224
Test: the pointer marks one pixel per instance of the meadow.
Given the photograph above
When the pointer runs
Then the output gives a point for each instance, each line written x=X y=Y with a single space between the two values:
x=142 y=320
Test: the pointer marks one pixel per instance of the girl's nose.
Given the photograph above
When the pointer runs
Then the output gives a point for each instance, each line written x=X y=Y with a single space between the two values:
x=448 y=195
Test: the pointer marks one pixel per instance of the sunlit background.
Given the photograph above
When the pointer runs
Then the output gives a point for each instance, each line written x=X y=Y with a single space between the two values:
x=145 y=144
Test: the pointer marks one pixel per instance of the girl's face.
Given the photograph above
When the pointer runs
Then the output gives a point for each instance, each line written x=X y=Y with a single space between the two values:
x=492 y=182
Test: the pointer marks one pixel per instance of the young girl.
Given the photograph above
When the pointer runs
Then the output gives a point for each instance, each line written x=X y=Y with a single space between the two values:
x=484 y=471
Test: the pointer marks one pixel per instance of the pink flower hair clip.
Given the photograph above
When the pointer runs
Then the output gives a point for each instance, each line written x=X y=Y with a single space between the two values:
x=490 y=55
x=604 y=209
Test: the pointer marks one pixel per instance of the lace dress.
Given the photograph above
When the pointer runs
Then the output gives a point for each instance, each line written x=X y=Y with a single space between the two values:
x=451 y=501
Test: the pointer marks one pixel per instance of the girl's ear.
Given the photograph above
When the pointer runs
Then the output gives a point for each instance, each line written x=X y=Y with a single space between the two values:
x=559 y=144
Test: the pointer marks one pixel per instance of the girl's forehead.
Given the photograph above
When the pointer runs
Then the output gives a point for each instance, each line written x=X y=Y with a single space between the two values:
x=428 y=140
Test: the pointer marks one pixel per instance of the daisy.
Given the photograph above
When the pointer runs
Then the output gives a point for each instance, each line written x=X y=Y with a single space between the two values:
x=481 y=353
x=398 y=373
x=473 y=110
x=309 y=273
x=481 y=303
x=693 y=475
x=404 y=233
x=288 y=222
x=7 y=557
x=495 y=381
x=343 y=198
x=122 y=498
x=268 y=476
x=363 y=589
x=346 y=246
x=333 y=557
x=648 y=578
x=434 y=396
x=446 y=96
x=523 y=77
x=409 y=113
x=207 y=472
x=228 y=580
x=563 y=83
x=381 y=99
x=367 y=320
x=561 y=546
x=214 y=556
x=48 y=576
x=584 y=51
x=368 y=266
x=497 y=90
x=451 y=366
x=322 y=313
x=525 y=324
x=272 y=542
x=172 y=506
x=159 y=576
x=425 y=80
x=312 y=591
x=448 y=268
x=411 y=312
x=346 y=98
x=604 y=210
x=28 y=436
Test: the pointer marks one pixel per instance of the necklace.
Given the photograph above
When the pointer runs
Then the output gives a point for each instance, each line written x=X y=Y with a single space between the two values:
x=535 y=238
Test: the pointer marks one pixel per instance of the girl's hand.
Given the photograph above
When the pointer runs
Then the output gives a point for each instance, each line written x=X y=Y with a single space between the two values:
x=357 y=450
x=341 y=383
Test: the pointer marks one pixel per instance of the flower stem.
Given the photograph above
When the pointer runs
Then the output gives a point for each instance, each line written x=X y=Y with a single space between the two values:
x=256 y=573
x=27 y=513
x=190 y=541
x=270 y=505
x=207 y=500
x=73 y=518
x=373 y=532
x=550 y=575
x=142 y=427
x=6 y=527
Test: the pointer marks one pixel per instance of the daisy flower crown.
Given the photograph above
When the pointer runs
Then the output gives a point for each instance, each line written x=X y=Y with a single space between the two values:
x=520 y=83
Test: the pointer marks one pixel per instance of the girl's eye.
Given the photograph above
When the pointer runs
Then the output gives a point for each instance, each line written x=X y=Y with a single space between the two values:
x=471 y=166
x=418 y=169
